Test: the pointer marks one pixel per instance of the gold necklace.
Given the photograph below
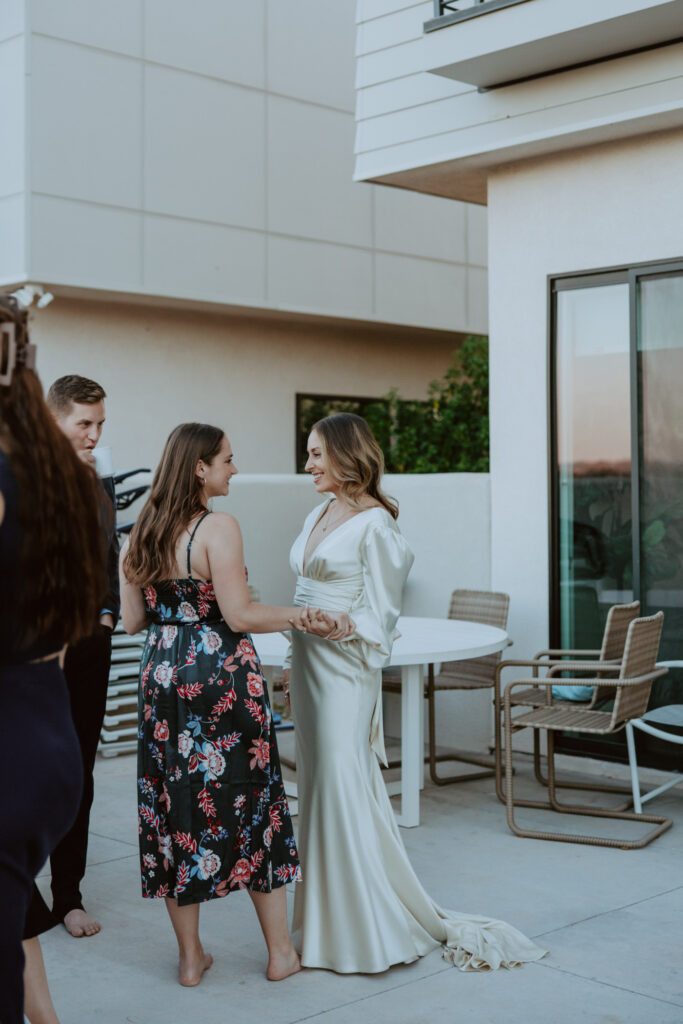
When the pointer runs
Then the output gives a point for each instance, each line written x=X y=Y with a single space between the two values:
x=334 y=522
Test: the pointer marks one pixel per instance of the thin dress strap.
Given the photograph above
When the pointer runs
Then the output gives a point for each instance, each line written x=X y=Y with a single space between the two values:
x=189 y=546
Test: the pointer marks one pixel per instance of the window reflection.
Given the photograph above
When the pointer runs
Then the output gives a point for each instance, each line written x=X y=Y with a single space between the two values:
x=594 y=458
x=660 y=344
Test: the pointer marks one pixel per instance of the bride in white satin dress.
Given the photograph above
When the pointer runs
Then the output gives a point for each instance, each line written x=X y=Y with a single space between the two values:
x=360 y=907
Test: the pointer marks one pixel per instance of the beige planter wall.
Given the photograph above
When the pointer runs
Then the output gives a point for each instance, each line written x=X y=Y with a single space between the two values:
x=163 y=367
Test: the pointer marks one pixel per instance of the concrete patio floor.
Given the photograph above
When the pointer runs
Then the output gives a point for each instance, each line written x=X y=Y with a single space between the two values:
x=610 y=918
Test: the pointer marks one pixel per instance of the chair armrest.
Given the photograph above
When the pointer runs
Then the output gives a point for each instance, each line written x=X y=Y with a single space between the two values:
x=583 y=666
x=635 y=681
x=507 y=694
x=559 y=666
x=670 y=664
x=525 y=663
x=557 y=652
x=638 y=680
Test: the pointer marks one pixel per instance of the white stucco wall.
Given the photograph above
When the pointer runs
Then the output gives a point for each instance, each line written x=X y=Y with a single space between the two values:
x=602 y=207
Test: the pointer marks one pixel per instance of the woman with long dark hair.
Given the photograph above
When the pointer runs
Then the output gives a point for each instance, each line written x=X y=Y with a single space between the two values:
x=360 y=907
x=52 y=582
x=212 y=807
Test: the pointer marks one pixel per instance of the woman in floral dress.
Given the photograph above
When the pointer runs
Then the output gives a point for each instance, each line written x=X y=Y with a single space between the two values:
x=213 y=816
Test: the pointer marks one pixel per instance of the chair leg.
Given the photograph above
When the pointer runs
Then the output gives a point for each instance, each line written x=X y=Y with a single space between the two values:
x=662 y=824
x=434 y=758
x=537 y=759
x=633 y=765
x=506 y=795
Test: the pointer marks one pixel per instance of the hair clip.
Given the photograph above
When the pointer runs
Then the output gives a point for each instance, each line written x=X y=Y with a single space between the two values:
x=8 y=331
x=24 y=356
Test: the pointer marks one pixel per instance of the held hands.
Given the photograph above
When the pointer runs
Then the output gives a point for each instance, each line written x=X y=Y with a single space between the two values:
x=329 y=625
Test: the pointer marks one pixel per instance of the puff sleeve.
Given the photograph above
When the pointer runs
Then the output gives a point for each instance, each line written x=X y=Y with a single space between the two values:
x=386 y=560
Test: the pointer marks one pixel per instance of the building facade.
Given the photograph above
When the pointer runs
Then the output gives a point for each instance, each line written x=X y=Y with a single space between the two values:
x=180 y=177
x=566 y=120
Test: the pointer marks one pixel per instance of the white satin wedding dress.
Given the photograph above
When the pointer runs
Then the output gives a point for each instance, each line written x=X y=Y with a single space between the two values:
x=360 y=907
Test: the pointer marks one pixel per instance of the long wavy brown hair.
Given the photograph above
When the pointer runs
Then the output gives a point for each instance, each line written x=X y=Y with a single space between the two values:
x=175 y=499
x=355 y=459
x=61 y=558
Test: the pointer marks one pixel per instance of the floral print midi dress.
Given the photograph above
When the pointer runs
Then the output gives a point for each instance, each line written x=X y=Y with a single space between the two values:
x=213 y=815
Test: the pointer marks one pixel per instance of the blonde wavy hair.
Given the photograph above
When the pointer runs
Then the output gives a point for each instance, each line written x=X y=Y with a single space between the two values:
x=354 y=458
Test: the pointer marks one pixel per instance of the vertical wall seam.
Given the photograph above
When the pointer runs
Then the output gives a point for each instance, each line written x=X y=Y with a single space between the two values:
x=143 y=160
x=468 y=265
x=28 y=148
x=266 y=155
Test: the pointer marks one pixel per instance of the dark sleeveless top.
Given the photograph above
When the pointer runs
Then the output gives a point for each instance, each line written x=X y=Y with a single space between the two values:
x=12 y=652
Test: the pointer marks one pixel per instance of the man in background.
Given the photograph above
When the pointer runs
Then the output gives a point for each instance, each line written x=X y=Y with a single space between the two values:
x=77 y=405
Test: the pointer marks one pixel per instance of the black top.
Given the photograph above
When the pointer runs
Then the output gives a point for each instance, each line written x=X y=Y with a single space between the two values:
x=112 y=600
x=11 y=650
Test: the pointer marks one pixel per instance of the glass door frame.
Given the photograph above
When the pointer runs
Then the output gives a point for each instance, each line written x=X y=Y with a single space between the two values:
x=581 y=280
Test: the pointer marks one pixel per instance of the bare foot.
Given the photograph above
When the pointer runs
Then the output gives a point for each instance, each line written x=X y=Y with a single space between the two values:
x=79 y=924
x=191 y=968
x=281 y=966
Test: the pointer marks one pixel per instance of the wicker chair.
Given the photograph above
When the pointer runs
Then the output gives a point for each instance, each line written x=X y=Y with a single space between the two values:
x=477 y=674
x=632 y=691
x=607 y=660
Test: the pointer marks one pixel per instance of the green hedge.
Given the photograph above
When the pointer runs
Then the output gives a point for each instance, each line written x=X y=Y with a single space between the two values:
x=447 y=433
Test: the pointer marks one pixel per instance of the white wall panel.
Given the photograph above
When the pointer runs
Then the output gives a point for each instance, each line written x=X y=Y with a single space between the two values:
x=12 y=18
x=404 y=122
x=366 y=10
x=311 y=191
x=12 y=232
x=477 y=300
x=224 y=40
x=394 y=29
x=402 y=93
x=477 y=234
x=86 y=123
x=416 y=291
x=12 y=164
x=220 y=123
x=204 y=149
x=81 y=243
x=316 y=277
x=385 y=65
x=653 y=107
x=418 y=224
x=310 y=51
x=204 y=261
x=108 y=26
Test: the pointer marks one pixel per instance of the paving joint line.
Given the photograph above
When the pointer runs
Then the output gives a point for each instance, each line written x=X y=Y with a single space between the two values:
x=603 y=913
x=373 y=995
x=124 y=842
x=609 y=984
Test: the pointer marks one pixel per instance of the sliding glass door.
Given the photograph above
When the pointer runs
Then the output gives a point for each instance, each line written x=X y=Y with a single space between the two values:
x=617 y=494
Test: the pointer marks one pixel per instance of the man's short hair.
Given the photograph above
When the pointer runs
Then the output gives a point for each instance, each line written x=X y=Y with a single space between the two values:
x=73 y=389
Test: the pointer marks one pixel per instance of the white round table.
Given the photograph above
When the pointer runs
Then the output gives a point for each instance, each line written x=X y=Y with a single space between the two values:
x=422 y=642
